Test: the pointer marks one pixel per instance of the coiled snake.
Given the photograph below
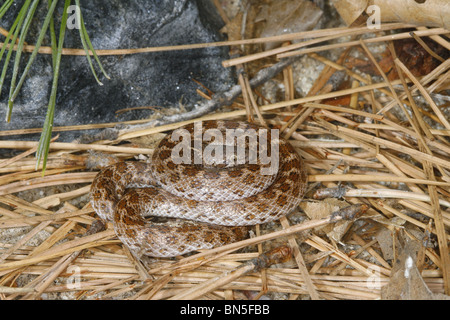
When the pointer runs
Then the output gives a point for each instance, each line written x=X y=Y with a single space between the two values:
x=222 y=197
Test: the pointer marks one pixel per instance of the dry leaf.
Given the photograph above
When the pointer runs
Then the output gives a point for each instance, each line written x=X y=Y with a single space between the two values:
x=233 y=28
x=406 y=282
x=410 y=53
x=349 y=10
x=432 y=13
x=384 y=238
x=323 y=208
x=286 y=16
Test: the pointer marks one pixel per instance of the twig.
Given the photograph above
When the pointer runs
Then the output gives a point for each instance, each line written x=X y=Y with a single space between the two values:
x=265 y=260
x=399 y=36
x=312 y=290
x=218 y=100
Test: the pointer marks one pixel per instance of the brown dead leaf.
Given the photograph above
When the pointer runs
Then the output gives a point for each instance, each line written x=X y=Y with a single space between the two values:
x=286 y=16
x=406 y=282
x=233 y=28
x=350 y=11
x=385 y=240
x=433 y=13
x=323 y=208
x=410 y=52
x=416 y=58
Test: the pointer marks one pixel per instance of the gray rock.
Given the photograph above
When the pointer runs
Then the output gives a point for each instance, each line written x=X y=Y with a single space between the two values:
x=150 y=79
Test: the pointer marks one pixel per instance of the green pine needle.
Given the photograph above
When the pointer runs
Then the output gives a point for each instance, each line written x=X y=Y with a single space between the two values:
x=34 y=53
x=23 y=33
x=17 y=34
x=15 y=28
x=44 y=142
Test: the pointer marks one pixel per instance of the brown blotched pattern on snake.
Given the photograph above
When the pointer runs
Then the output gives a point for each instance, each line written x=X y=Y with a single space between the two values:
x=221 y=198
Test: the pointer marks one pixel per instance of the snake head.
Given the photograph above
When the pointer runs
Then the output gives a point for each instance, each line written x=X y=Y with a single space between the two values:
x=104 y=208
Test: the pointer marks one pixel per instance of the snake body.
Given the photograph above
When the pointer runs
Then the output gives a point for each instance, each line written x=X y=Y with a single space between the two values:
x=213 y=201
